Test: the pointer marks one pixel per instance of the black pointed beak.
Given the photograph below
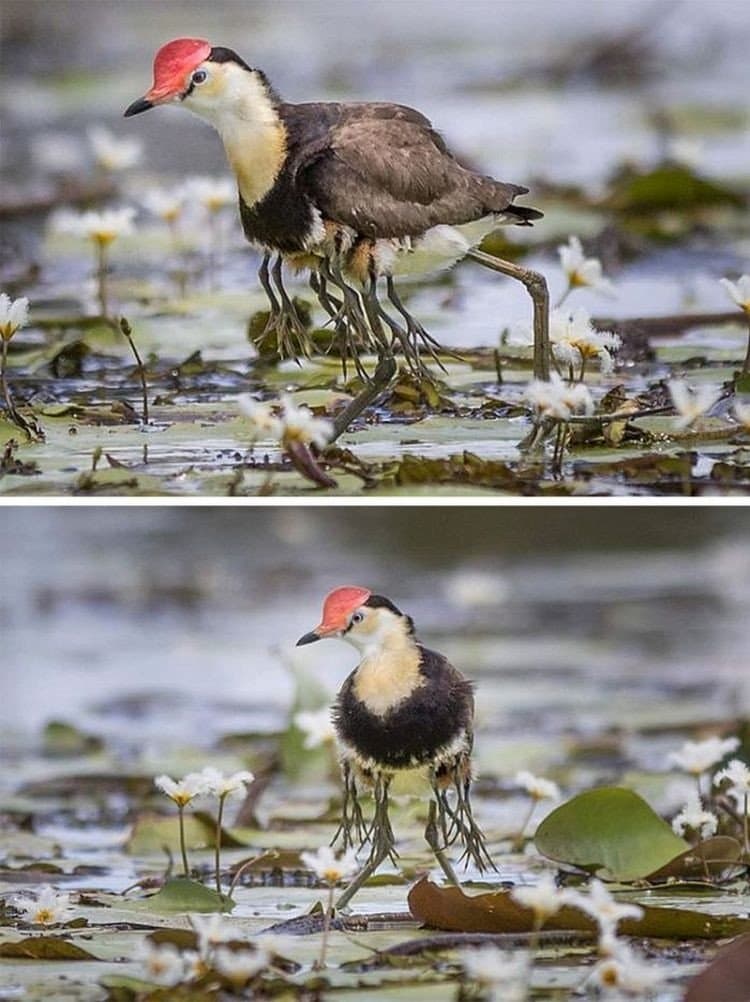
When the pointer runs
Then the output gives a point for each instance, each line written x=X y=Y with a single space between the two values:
x=309 y=638
x=142 y=104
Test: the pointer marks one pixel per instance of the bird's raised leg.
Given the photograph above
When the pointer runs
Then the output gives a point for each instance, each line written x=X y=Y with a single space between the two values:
x=536 y=285
x=438 y=849
x=414 y=329
x=383 y=842
x=349 y=321
x=292 y=337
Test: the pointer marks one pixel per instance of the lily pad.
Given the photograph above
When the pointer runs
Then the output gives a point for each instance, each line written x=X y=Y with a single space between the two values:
x=611 y=830
x=183 y=895
x=45 y=948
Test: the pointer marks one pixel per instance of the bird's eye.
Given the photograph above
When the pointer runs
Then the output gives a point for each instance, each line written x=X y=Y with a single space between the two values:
x=199 y=76
x=357 y=618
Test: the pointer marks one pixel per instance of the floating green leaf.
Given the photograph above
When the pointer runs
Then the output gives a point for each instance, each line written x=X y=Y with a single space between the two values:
x=183 y=895
x=609 y=829
x=45 y=948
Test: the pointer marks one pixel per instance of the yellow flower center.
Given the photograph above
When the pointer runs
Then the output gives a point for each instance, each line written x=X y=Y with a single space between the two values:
x=44 y=916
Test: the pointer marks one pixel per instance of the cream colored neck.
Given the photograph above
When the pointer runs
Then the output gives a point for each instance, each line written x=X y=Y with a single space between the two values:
x=253 y=135
x=389 y=672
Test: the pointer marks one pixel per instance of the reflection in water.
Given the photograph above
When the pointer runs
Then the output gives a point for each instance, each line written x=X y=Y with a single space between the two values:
x=155 y=624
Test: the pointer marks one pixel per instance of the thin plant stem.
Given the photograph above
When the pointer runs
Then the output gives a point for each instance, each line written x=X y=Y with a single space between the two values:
x=583 y=368
x=745 y=831
x=101 y=277
x=128 y=333
x=217 y=846
x=746 y=363
x=320 y=963
x=213 y=248
x=4 y=381
x=518 y=841
x=564 y=296
x=181 y=812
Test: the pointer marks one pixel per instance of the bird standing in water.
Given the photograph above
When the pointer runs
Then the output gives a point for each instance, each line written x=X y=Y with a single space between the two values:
x=357 y=191
x=404 y=707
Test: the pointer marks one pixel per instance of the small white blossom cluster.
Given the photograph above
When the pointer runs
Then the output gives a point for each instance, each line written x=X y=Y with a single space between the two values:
x=735 y=780
x=317 y=727
x=575 y=340
x=537 y=787
x=113 y=152
x=14 y=314
x=100 y=227
x=557 y=400
x=544 y=898
x=742 y=413
x=329 y=867
x=695 y=818
x=739 y=291
x=506 y=975
x=697 y=757
x=165 y=965
x=166 y=205
x=285 y=422
x=212 y=193
x=691 y=402
x=207 y=782
x=581 y=270
x=46 y=907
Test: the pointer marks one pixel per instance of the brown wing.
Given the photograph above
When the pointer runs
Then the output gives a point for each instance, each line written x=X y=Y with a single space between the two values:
x=384 y=171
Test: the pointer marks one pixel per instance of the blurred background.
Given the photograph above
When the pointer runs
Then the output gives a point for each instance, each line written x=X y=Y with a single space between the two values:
x=581 y=101
x=157 y=627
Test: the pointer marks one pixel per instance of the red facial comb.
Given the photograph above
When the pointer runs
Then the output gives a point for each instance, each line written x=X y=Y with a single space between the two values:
x=176 y=59
x=340 y=604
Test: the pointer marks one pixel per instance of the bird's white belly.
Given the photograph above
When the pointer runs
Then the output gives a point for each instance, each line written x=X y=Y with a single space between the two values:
x=437 y=250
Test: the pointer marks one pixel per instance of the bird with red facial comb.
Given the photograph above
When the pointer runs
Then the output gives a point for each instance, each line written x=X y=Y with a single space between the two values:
x=358 y=192
x=403 y=708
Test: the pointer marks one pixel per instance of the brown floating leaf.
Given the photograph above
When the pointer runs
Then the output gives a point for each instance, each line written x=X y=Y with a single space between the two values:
x=45 y=948
x=450 y=909
x=713 y=855
x=727 y=977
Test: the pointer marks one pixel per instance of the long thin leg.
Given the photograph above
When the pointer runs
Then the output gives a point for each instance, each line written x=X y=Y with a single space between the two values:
x=536 y=285
x=382 y=840
x=352 y=819
x=376 y=314
x=265 y=281
x=380 y=381
x=292 y=335
x=431 y=837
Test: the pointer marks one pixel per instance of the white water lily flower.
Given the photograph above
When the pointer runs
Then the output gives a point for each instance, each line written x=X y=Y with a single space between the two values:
x=194 y=965
x=693 y=817
x=216 y=784
x=184 y=790
x=601 y=906
x=691 y=402
x=556 y=399
x=544 y=899
x=470 y=588
x=213 y=193
x=625 y=971
x=14 y=314
x=581 y=270
x=48 y=907
x=328 y=867
x=317 y=726
x=536 y=786
x=696 y=757
x=162 y=964
x=240 y=965
x=492 y=967
x=736 y=774
x=102 y=227
x=742 y=413
x=211 y=929
x=739 y=291
x=167 y=205
x=264 y=419
x=299 y=424
x=571 y=333
x=113 y=152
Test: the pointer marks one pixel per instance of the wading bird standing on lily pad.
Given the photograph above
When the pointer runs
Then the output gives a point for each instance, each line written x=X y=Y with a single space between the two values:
x=358 y=192
x=403 y=708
